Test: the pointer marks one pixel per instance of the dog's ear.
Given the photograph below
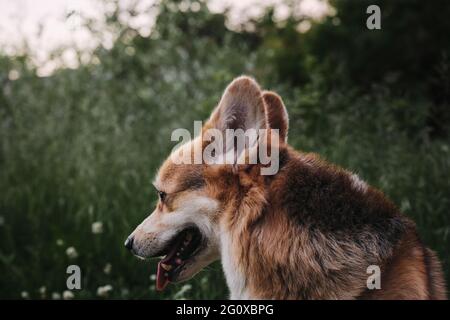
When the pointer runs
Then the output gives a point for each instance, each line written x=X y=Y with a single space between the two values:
x=241 y=107
x=276 y=114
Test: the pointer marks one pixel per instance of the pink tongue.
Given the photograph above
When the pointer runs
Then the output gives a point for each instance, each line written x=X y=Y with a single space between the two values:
x=161 y=280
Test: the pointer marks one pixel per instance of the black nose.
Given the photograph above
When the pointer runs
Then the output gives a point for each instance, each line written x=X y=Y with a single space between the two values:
x=129 y=243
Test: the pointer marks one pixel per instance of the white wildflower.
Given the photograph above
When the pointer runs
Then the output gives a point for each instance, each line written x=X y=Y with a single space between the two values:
x=153 y=277
x=43 y=291
x=24 y=295
x=97 y=227
x=180 y=294
x=125 y=292
x=107 y=269
x=56 y=296
x=60 y=242
x=71 y=252
x=104 y=291
x=68 y=295
x=186 y=287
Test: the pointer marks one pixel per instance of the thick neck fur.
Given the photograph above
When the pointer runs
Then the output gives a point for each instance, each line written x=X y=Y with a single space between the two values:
x=309 y=232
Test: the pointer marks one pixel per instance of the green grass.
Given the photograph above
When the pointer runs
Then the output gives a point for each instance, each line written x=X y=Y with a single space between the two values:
x=83 y=145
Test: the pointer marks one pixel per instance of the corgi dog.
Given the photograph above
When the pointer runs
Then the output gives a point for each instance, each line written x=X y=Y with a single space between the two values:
x=312 y=230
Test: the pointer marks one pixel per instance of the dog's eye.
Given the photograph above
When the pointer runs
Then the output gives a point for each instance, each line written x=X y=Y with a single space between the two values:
x=162 y=195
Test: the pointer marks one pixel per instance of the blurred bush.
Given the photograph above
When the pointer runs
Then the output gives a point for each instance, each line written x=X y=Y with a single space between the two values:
x=81 y=146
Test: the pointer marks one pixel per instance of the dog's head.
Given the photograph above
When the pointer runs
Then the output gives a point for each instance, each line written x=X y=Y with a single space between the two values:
x=184 y=227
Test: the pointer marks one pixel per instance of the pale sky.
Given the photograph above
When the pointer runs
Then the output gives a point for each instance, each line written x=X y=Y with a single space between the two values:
x=45 y=26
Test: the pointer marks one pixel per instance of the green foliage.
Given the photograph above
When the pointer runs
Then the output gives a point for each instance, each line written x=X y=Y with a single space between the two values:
x=82 y=145
x=411 y=52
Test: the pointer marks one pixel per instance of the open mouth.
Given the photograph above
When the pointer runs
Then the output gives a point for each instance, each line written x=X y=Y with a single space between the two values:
x=180 y=250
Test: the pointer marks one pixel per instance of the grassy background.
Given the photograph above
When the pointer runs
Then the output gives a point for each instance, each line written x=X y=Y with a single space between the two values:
x=82 y=145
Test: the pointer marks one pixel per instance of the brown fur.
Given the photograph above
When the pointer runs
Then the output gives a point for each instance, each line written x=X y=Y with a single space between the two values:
x=303 y=234
x=307 y=232
x=276 y=113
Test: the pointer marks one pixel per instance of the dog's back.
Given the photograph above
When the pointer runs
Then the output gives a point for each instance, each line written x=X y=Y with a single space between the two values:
x=414 y=272
x=435 y=276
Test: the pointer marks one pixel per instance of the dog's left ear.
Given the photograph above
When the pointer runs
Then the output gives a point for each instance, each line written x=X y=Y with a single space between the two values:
x=276 y=114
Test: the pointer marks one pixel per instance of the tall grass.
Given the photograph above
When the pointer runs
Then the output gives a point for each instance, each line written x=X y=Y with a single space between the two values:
x=82 y=146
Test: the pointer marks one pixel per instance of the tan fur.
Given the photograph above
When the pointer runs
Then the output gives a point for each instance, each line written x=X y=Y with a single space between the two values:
x=308 y=232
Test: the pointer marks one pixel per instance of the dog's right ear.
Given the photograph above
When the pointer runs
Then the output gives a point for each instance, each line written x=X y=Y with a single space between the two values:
x=241 y=107
x=241 y=110
x=276 y=114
